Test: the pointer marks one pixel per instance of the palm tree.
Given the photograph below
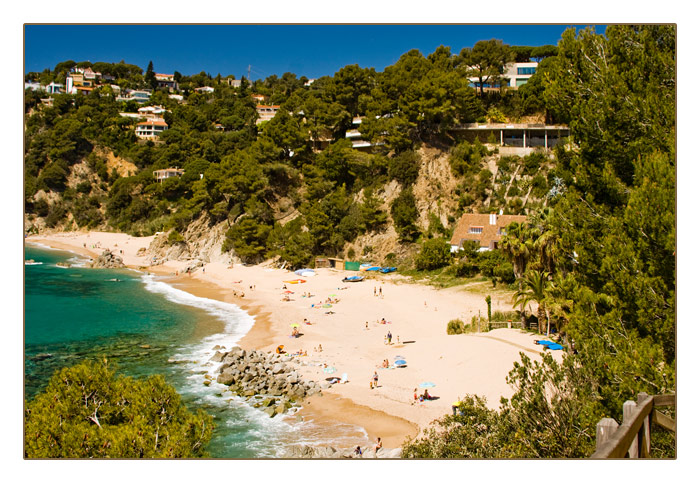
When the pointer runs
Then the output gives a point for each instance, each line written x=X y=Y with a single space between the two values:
x=560 y=299
x=534 y=288
x=518 y=244
x=547 y=242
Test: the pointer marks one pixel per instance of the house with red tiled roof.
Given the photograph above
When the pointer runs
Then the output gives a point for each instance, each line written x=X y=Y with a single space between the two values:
x=166 y=80
x=486 y=229
x=265 y=113
x=151 y=129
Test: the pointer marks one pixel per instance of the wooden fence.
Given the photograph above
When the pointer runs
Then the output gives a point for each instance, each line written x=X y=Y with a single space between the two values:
x=633 y=438
x=506 y=325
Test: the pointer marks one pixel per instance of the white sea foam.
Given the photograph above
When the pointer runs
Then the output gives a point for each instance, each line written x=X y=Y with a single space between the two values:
x=267 y=437
x=237 y=321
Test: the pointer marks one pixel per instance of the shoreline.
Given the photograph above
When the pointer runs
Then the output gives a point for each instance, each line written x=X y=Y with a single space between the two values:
x=351 y=334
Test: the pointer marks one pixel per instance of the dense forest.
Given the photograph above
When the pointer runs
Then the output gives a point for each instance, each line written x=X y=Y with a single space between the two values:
x=597 y=255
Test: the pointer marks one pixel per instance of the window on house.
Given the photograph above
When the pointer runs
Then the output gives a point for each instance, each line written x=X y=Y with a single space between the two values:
x=476 y=229
x=526 y=70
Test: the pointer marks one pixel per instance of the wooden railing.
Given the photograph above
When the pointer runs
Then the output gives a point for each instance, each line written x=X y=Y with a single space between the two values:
x=633 y=438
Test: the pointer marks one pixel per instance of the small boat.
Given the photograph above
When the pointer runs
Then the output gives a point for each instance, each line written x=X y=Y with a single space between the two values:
x=355 y=278
x=32 y=262
x=299 y=280
x=63 y=265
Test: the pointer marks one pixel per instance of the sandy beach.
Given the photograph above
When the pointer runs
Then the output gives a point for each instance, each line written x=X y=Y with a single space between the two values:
x=351 y=335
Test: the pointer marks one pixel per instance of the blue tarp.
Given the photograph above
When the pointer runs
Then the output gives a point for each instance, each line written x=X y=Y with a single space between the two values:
x=388 y=269
x=373 y=269
x=549 y=344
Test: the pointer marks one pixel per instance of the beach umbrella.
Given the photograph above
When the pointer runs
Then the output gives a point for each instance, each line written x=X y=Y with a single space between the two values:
x=294 y=325
x=287 y=291
x=400 y=362
x=426 y=385
x=329 y=370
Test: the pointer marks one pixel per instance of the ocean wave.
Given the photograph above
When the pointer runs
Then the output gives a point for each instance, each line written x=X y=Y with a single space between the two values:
x=237 y=321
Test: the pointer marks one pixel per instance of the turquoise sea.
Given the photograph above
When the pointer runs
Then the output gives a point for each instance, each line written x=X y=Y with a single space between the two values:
x=145 y=326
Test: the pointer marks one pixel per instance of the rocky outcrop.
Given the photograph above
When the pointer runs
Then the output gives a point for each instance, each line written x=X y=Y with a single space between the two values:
x=201 y=243
x=268 y=380
x=325 y=452
x=107 y=260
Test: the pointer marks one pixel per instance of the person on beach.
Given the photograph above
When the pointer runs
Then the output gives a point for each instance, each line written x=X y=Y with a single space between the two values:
x=375 y=291
x=388 y=337
x=378 y=446
x=375 y=379
x=415 y=395
x=366 y=325
x=358 y=451
x=380 y=291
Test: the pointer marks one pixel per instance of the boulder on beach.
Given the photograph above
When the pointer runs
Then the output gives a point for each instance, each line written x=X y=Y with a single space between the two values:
x=107 y=260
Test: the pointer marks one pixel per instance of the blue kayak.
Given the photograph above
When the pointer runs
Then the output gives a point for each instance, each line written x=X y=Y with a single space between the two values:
x=355 y=278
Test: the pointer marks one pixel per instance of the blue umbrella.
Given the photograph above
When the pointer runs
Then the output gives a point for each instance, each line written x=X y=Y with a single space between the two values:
x=400 y=362
x=425 y=385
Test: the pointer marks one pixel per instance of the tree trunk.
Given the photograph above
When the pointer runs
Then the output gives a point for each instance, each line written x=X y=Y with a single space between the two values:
x=541 y=318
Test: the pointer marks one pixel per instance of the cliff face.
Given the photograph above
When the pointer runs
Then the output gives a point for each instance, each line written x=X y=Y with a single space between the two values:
x=202 y=241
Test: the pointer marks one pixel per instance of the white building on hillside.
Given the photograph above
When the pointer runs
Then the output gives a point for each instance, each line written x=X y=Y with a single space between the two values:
x=515 y=75
x=151 y=128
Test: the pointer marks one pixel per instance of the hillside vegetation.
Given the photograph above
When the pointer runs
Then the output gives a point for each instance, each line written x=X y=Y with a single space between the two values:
x=271 y=187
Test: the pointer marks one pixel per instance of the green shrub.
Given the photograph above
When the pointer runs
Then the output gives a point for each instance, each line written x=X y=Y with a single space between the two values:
x=435 y=253
x=404 y=167
x=174 y=237
x=455 y=326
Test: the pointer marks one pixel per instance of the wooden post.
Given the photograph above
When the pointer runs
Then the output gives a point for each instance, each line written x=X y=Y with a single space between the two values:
x=604 y=430
x=628 y=412
x=645 y=431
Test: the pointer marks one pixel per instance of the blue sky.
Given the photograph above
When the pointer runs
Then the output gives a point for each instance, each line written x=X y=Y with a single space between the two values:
x=306 y=50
